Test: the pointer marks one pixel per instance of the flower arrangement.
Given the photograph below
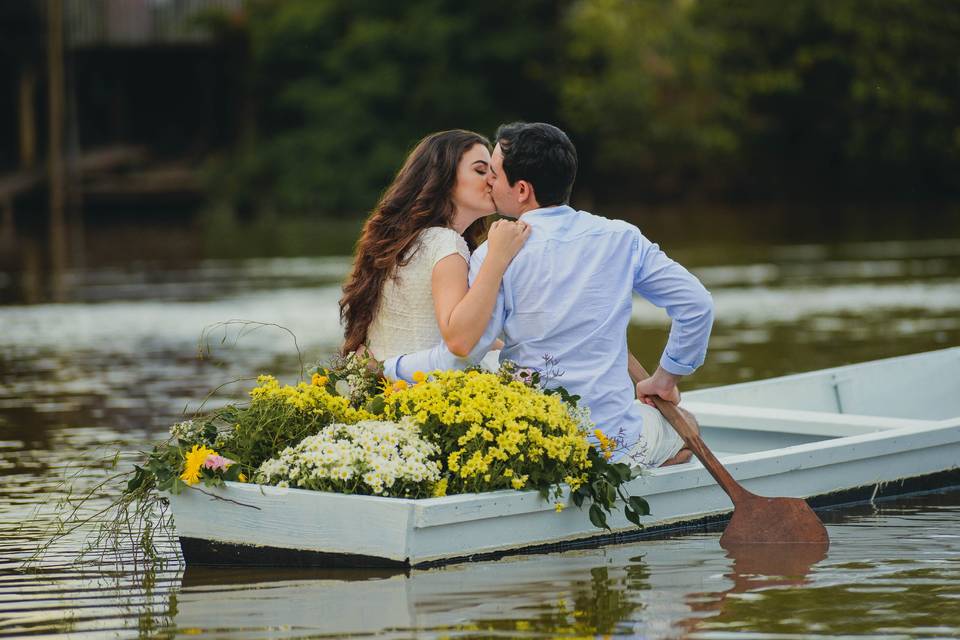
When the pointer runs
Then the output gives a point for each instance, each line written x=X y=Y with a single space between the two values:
x=495 y=435
x=370 y=457
x=351 y=377
x=349 y=431
x=279 y=416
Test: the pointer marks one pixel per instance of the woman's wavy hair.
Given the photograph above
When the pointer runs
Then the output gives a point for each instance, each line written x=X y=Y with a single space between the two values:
x=420 y=196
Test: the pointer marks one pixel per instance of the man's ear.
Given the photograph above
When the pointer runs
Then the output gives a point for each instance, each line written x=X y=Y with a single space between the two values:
x=525 y=193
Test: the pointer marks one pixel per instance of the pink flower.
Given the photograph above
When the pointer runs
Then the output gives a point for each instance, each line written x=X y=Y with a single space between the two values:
x=217 y=462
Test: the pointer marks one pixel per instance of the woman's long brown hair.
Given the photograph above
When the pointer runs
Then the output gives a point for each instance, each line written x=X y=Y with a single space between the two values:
x=420 y=196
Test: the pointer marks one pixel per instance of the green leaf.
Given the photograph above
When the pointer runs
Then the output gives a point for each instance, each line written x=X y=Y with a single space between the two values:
x=233 y=473
x=137 y=480
x=611 y=496
x=641 y=506
x=612 y=475
x=376 y=405
x=632 y=516
x=597 y=517
x=623 y=470
x=577 y=498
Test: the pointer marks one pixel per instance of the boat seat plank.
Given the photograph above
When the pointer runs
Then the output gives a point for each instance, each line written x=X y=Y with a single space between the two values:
x=813 y=423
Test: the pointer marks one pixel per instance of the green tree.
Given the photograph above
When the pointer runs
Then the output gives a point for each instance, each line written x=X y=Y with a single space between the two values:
x=644 y=96
x=346 y=87
x=855 y=95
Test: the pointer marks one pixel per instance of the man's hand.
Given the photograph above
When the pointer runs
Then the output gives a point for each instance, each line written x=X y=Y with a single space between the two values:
x=663 y=384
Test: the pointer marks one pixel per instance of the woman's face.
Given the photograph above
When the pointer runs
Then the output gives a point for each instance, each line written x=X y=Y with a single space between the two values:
x=471 y=193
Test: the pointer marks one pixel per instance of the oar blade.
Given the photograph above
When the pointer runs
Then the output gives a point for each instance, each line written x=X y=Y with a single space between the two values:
x=760 y=520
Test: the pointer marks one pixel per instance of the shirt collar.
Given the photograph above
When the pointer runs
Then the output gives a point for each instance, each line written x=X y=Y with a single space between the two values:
x=545 y=212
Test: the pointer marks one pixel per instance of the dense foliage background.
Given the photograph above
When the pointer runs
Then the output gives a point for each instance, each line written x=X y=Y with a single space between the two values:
x=664 y=98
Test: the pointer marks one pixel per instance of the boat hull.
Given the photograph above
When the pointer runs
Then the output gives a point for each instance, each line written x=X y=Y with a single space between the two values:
x=825 y=456
x=197 y=551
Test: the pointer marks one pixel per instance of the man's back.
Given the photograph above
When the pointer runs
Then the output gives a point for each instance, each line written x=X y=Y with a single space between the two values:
x=568 y=296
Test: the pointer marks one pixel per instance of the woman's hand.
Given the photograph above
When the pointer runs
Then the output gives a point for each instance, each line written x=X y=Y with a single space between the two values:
x=505 y=239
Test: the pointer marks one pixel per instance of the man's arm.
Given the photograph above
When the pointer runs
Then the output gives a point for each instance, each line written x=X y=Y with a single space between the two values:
x=439 y=357
x=668 y=285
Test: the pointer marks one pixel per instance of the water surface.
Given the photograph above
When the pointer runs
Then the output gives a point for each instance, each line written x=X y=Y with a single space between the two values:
x=110 y=369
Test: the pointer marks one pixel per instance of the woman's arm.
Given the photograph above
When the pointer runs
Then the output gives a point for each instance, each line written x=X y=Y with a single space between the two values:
x=463 y=313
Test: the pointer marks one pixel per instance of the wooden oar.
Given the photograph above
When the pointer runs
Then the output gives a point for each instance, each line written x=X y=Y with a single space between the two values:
x=755 y=519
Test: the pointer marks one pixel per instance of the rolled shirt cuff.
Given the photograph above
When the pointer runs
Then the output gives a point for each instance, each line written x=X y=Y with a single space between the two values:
x=670 y=365
x=390 y=366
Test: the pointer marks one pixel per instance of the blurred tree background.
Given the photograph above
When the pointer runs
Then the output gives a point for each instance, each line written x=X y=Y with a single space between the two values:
x=344 y=88
x=666 y=99
x=309 y=106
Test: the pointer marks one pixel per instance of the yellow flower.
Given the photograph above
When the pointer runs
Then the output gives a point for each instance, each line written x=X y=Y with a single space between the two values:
x=400 y=385
x=559 y=506
x=318 y=380
x=193 y=461
x=419 y=376
x=453 y=461
x=440 y=489
x=242 y=478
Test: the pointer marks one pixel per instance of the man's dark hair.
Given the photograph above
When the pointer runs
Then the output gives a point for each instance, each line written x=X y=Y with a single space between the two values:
x=542 y=155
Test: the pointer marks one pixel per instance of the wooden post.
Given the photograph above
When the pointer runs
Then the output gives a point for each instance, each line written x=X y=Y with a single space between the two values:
x=28 y=121
x=7 y=230
x=58 y=235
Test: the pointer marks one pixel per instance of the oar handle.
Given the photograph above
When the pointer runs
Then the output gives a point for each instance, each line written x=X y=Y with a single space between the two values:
x=690 y=436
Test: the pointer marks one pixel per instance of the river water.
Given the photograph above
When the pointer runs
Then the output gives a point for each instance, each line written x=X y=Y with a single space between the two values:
x=110 y=369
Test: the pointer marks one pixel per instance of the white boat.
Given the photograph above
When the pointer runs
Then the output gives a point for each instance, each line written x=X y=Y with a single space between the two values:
x=842 y=435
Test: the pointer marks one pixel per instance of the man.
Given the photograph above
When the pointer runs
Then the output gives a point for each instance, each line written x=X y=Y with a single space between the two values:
x=568 y=295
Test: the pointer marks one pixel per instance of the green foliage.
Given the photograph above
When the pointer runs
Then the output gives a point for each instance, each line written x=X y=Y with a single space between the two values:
x=254 y=433
x=854 y=93
x=642 y=91
x=763 y=97
x=662 y=97
x=606 y=485
x=346 y=87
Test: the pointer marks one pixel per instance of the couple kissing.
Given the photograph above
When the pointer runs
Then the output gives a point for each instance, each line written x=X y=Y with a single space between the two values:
x=426 y=294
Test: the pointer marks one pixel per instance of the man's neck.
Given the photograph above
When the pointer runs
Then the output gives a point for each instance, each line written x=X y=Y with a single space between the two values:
x=528 y=209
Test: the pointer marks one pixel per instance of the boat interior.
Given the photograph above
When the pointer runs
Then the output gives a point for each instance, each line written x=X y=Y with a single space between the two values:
x=910 y=391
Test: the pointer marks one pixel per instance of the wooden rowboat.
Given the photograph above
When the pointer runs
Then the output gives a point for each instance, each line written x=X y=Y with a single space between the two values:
x=836 y=436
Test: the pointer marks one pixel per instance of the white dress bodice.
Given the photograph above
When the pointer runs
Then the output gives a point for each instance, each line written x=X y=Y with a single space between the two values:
x=405 y=320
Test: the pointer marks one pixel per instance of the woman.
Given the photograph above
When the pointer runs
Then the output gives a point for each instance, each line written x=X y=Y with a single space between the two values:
x=408 y=288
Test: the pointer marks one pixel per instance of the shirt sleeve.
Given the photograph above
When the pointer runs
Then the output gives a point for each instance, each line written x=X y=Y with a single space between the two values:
x=670 y=286
x=439 y=357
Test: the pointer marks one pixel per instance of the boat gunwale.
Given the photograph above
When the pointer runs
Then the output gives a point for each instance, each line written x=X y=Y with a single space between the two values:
x=437 y=511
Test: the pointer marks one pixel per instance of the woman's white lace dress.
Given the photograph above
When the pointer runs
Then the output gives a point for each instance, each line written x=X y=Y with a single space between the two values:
x=405 y=321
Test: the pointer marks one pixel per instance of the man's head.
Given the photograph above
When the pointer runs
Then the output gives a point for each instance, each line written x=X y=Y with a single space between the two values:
x=533 y=165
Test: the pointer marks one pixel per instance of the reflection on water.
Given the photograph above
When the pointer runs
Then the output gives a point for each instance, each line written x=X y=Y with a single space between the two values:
x=114 y=367
x=891 y=569
x=869 y=583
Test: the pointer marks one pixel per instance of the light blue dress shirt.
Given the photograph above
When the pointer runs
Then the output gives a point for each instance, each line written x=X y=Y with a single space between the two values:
x=569 y=294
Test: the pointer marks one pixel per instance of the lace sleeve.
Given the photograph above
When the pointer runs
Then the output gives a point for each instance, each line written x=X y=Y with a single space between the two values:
x=441 y=242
